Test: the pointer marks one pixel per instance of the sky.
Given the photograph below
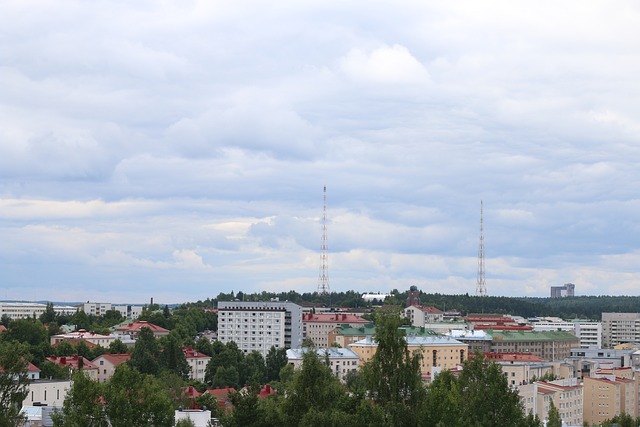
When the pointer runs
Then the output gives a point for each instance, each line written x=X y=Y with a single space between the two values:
x=178 y=149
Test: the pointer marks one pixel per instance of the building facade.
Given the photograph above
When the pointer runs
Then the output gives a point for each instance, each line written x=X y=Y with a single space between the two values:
x=606 y=396
x=620 y=328
x=549 y=345
x=47 y=392
x=420 y=316
x=566 y=290
x=107 y=364
x=197 y=362
x=341 y=360
x=316 y=327
x=257 y=326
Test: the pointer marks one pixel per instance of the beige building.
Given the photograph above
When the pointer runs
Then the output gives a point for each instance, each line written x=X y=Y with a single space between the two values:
x=341 y=360
x=47 y=392
x=82 y=335
x=606 y=396
x=566 y=395
x=620 y=328
x=438 y=351
x=422 y=316
x=344 y=336
x=549 y=345
x=317 y=327
x=107 y=364
x=522 y=373
x=74 y=363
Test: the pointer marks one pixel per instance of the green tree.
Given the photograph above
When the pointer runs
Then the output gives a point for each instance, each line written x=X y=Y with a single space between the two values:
x=50 y=370
x=226 y=377
x=49 y=314
x=553 y=418
x=83 y=405
x=393 y=375
x=144 y=356
x=134 y=399
x=203 y=345
x=173 y=359
x=185 y=422
x=64 y=348
x=13 y=382
x=118 y=347
x=276 y=360
x=81 y=320
x=443 y=406
x=253 y=369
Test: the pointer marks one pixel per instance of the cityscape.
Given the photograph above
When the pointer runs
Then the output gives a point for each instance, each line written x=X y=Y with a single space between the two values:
x=319 y=214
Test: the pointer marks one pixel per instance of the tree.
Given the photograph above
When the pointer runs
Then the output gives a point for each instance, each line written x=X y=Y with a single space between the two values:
x=136 y=399
x=393 y=375
x=83 y=406
x=185 y=422
x=13 y=382
x=49 y=314
x=50 y=370
x=144 y=356
x=554 y=419
x=173 y=359
x=442 y=405
x=118 y=347
x=276 y=360
x=81 y=320
x=253 y=369
x=226 y=377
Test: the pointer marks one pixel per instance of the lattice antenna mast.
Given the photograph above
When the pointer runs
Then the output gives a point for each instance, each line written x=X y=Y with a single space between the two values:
x=323 y=279
x=481 y=289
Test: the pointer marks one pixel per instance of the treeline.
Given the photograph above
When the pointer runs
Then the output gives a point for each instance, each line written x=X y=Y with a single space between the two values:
x=579 y=307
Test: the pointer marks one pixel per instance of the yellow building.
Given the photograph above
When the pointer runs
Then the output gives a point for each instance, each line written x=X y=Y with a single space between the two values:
x=438 y=351
x=606 y=396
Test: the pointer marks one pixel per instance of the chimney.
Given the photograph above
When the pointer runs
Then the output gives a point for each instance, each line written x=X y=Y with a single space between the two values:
x=344 y=317
x=267 y=388
x=63 y=360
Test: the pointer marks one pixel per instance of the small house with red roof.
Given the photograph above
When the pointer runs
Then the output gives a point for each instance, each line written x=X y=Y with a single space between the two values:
x=133 y=329
x=107 y=364
x=423 y=315
x=75 y=363
x=91 y=338
x=197 y=361
x=222 y=396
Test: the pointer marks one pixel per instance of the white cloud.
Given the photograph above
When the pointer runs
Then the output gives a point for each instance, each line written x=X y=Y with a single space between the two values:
x=384 y=65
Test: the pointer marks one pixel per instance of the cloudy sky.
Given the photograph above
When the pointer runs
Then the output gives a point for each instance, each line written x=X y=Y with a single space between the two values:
x=178 y=149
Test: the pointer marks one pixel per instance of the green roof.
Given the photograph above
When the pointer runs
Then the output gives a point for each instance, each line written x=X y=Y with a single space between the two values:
x=532 y=335
x=370 y=329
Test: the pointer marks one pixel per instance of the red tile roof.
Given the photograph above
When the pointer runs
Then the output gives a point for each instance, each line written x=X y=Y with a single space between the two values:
x=191 y=353
x=72 y=362
x=116 y=359
x=135 y=327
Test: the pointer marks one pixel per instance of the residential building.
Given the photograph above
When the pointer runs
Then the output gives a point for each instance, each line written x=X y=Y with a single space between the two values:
x=609 y=357
x=199 y=417
x=566 y=290
x=83 y=335
x=46 y=392
x=619 y=328
x=549 y=345
x=100 y=308
x=197 y=362
x=107 y=364
x=607 y=395
x=341 y=360
x=566 y=395
x=258 y=326
x=420 y=316
x=74 y=363
x=552 y=324
x=28 y=310
x=317 y=327
x=476 y=340
x=589 y=333
x=344 y=335
x=438 y=351
x=496 y=322
x=133 y=329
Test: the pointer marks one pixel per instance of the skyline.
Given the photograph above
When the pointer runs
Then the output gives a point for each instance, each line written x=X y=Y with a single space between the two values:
x=177 y=150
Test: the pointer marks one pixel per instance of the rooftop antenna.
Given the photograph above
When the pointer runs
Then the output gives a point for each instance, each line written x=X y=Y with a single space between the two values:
x=481 y=289
x=323 y=279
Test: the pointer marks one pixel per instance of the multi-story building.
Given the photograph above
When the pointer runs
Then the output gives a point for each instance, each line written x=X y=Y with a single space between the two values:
x=341 y=360
x=619 y=328
x=549 y=345
x=133 y=329
x=343 y=336
x=75 y=363
x=438 y=351
x=420 y=316
x=607 y=395
x=476 y=340
x=47 y=392
x=317 y=327
x=197 y=362
x=520 y=368
x=83 y=335
x=28 y=310
x=566 y=395
x=608 y=357
x=107 y=364
x=100 y=308
x=258 y=326
x=566 y=290
x=589 y=333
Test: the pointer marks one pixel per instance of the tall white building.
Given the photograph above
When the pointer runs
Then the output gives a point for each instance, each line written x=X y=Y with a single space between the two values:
x=589 y=333
x=26 y=310
x=100 y=308
x=619 y=328
x=260 y=325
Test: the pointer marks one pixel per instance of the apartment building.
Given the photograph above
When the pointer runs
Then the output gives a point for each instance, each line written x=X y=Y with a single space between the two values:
x=107 y=364
x=608 y=395
x=438 y=351
x=476 y=340
x=317 y=327
x=28 y=310
x=549 y=345
x=345 y=335
x=589 y=333
x=75 y=363
x=420 y=316
x=620 y=328
x=133 y=329
x=257 y=326
x=197 y=362
x=566 y=290
x=566 y=395
x=100 y=308
x=83 y=335
x=46 y=392
x=341 y=360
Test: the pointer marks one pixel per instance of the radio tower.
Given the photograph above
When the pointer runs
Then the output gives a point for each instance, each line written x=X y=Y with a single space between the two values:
x=323 y=279
x=481 y=289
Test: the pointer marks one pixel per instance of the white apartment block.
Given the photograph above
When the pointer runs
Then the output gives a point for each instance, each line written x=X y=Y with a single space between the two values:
x=47 y=392
x=27 y=310
x=341 y=360
x=589 y=334
x=100 y=308
x=260 y=325
x=619 y=328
